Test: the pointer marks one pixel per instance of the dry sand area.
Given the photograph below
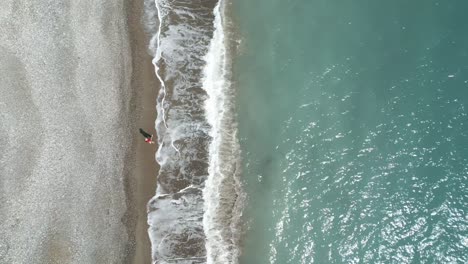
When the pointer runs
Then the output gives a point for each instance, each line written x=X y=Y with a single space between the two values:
x=75 y=176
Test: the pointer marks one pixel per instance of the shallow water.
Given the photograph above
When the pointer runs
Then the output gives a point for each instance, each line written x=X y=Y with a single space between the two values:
x=353 y=121
x=194 y=214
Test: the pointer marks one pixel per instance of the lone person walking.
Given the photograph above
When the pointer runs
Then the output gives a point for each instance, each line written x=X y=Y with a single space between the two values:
x=148 y=137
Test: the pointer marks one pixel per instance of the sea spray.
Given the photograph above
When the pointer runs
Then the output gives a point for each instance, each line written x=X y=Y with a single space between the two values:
x=222 y=194
x=179 y=43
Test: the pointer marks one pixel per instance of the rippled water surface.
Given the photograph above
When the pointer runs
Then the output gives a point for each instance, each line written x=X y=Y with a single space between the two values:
x=353 y=126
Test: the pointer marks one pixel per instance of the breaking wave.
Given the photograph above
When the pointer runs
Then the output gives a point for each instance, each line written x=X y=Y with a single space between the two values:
x=195 y=214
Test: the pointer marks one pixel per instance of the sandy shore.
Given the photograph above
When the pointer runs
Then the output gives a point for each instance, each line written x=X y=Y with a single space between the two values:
x=74 y=173
x=142 y=181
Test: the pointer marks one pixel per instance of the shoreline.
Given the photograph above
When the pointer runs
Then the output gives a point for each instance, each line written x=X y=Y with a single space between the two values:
x=140 y=179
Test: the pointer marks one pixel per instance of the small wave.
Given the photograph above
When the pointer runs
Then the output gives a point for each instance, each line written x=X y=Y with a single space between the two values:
x=177 y=229
x=194 y=216
x=175 y=213
x=222 y=193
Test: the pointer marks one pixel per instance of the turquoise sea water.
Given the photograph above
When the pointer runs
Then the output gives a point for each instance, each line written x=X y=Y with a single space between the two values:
x=354 y=131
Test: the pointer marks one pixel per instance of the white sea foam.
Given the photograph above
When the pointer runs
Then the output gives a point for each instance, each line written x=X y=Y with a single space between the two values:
x=176 y=218
x=195 y=214
x=222 y=193
x=179 y=47
x=157 y=56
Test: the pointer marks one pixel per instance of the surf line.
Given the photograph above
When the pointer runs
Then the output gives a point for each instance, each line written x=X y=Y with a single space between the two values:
x=222 y=193
x=157 y=58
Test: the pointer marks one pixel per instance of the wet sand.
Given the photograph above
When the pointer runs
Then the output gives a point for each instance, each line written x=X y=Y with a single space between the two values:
x=141 y=184
x=74 y=173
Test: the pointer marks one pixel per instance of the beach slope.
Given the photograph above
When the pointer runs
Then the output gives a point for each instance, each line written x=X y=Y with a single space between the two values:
x=68 y=114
